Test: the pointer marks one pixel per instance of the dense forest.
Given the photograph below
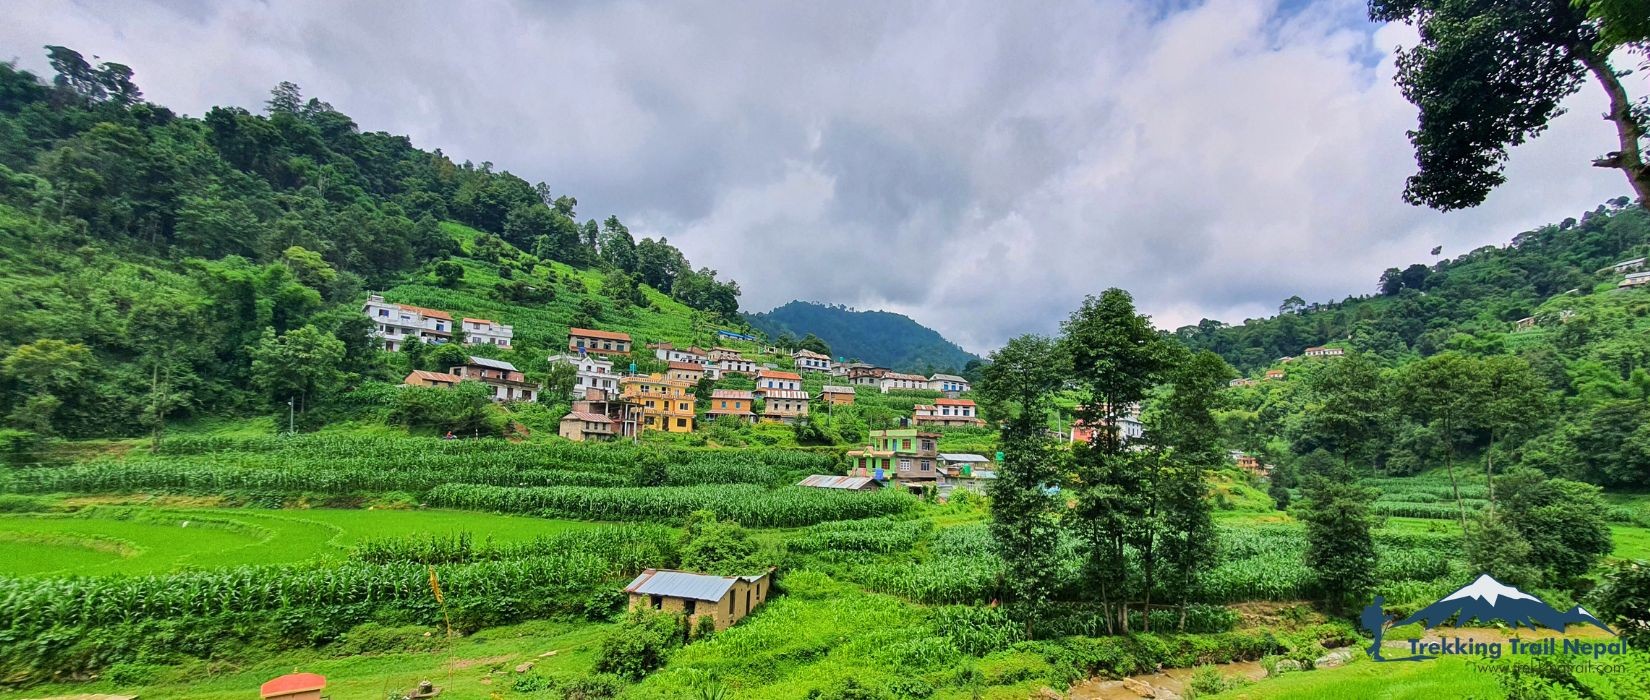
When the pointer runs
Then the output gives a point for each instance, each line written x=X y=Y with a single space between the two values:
x=878 y=337
x=159 y=266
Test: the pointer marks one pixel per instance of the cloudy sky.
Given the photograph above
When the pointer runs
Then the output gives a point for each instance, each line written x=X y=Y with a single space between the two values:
x=978 y=166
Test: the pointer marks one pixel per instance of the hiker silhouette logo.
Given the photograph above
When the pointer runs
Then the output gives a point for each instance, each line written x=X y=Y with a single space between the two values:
x=1486 y=600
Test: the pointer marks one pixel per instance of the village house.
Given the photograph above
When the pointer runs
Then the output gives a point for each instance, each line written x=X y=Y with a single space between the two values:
x=1637 y=279
x=624 y=415
x=1246 y=461
x=719 y=353
x=897 y=380
x=1128 y=427
x=1240 y=381
x=674 y=354
x=1628 y=265
x=1321 y=351
x=969 y=472
x=593 y=373
x=948 y=383
x=947 y=412
x=1286 y=359
x=661 y=402
x=836 y=395
x=690 y=372
x=1274 y=374
x=841 y=483
x=784 y=405
x=736 y=365
x=725 y=599
x=861 y=374
x=776 y=379
x=506 y=382
x=438 y=380
x=582 y=424
x=399 y=324
x=810 y=361
x=731 y=402
x=905 y=455
x=1524 y=324
x=597 y=342
x=481 y=331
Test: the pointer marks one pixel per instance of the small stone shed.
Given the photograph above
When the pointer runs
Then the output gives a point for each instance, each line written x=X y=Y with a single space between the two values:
x=726 y=599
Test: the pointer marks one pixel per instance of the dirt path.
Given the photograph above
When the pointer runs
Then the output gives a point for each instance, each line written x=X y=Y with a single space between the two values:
x=1165 y=685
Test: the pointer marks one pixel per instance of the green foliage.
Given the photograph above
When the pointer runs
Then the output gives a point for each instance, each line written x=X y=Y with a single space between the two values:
x=644 y=642
x=1340 y=550
x=878 y=337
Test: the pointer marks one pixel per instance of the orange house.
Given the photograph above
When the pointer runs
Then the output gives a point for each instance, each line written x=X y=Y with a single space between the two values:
x=439 y=380
x=731 y=402
x=597 y=342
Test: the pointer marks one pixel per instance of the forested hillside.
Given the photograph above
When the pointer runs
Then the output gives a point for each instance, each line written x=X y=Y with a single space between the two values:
x=159 y=267
x=878 y=337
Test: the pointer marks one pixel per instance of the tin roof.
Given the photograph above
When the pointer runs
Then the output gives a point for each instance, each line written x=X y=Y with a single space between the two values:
x=687 y=365
x=433 y=376
x=947 y=378
x=962 y=457
x=588 y=333
x=731 y=394
x=495 y=364
x=432 y=313
x=785 y=394
x=901 y=375
x=810 y=353
x=587 y=417
x=834 y=389
x=681 y=584
x=487 y=321
x=824 y=481
x=293 y=683
x=953 y=402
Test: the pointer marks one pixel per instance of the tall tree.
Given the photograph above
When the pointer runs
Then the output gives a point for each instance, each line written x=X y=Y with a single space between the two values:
x=1347 y=407
x=1019 y=384
x=1444 y=390
x=1490 y=75
x=1339 y=548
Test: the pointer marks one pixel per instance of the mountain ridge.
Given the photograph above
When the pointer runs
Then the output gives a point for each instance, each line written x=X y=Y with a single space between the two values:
x=878 y=337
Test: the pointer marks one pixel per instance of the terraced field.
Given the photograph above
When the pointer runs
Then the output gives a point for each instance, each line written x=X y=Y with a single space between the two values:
x=144 y=540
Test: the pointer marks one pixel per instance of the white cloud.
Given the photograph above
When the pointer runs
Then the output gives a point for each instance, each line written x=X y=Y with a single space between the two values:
x=977 y=166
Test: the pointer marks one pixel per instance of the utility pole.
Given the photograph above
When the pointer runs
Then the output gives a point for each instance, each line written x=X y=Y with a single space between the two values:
x=291 y=414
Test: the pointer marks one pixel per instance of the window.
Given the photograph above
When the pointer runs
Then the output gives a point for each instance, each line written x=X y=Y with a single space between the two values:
x=658 y=602
x=383 y=313
x=681 y=422
x=690 y=606
x=724 y=404
x=747 y=600
x=730 y=607
x=905 y=465
x=905 y=444
x=927 y=466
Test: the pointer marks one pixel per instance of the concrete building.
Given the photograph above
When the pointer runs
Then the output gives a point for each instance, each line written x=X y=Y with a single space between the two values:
x=690 y=372
x=593 y=373
x=1128 y=427
x=481 y=331
x=661 y=403
x=784 y=405
x=725 y=599
x=399 y=324
x=810 y=361
x=897 y=380
x=736 y=365
x=583 y=425
x=947 y=412
x=1321 y=351
x=776 y=379
x=907 y=456
x=1626 y=266
x=1637 y=279
x=836 y=395
x=861 y=374
x=438 y=380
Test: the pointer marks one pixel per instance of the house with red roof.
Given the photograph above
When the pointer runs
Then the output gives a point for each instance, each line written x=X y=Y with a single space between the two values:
x=596 y=342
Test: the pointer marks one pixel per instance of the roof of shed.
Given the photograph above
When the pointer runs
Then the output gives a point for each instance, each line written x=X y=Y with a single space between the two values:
x=681 y=584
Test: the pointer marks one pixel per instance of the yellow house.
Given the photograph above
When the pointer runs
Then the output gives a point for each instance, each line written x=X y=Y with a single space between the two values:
x=726 y=599
x=663 y=403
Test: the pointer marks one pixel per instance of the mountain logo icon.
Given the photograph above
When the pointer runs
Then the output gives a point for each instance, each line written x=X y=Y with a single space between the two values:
x=1485 y=600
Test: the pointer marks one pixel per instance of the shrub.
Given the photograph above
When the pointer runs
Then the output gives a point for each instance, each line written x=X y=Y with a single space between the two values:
x=643 y=643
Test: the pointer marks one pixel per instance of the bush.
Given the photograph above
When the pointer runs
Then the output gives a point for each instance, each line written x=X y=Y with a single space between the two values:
x=643 y=643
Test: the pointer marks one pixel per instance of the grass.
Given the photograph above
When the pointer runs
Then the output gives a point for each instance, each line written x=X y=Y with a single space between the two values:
x=479 y=667
x=157 y=540
x=1440 y=678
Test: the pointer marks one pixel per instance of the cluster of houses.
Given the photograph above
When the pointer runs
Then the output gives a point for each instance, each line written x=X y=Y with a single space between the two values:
x=502 y=379
x=1316 y=351
x=399 y=324
x=908 y=457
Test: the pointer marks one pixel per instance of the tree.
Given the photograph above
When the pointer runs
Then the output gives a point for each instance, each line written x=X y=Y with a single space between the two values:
x=1490 y=75
x=1562 y=520
x=1347 y=408
x=284 y=98
x=718 y=546
x=1339 y=548
x=301 y=366
x=448 y=273
x=1445 y=391
x=47 y=373
x=1495 y=547
x=1517 y=406
x=1392 y=280
x=1019 y=384
x=1621 y=599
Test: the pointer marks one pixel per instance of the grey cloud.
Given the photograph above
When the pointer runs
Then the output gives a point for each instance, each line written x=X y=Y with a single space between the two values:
x=978 y=166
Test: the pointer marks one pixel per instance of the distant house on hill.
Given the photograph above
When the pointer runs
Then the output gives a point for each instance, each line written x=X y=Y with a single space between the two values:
x=482 y=331
x=717 y=354
x=1628 y=265
x=399 y=324
x=784 y=405
x=674 y=354
x=438 y=380
x=810 y=361
x=836 y=395
x=776 y=379
x=899 y=380
x=1321 y=351
x=1637 y=279
x=1274 y=374
x=731 y=402
x=947 y=412
x=661 y=402
x=597 y=342
x=907 y=456
x=725 y=599
x=1128 y=427
x=861 y=374
x=1240 y=381
x=948 y=383
x=736 y=365
x=593 y=373
x=1524 y=324
x=506 y=382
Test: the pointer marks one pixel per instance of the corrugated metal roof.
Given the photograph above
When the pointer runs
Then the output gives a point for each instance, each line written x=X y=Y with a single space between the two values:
x=592 y=333
x=962 y=457
x=785 y=393
x=825 y=481
x=681 y=584
x=586 y=416
x=731 y=394
x=834 y=389
x=495 y=364
x=947 y=378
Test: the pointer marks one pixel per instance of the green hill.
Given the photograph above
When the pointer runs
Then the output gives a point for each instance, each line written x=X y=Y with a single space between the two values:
x=878 y=337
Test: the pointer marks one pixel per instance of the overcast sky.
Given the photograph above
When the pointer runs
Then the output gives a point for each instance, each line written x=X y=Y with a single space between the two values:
x=978 y=166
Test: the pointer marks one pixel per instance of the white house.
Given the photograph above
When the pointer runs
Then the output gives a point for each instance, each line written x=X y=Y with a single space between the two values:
x=736 y=365
x=949 y=383
x=481 y=331
x=1629 y=265
x=810 y=361
x=896 y=380
x=594 y=373
x=1320 y=351
x=399 y=324
x=674 y=354
x=775 y=379
x=1637 y=279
